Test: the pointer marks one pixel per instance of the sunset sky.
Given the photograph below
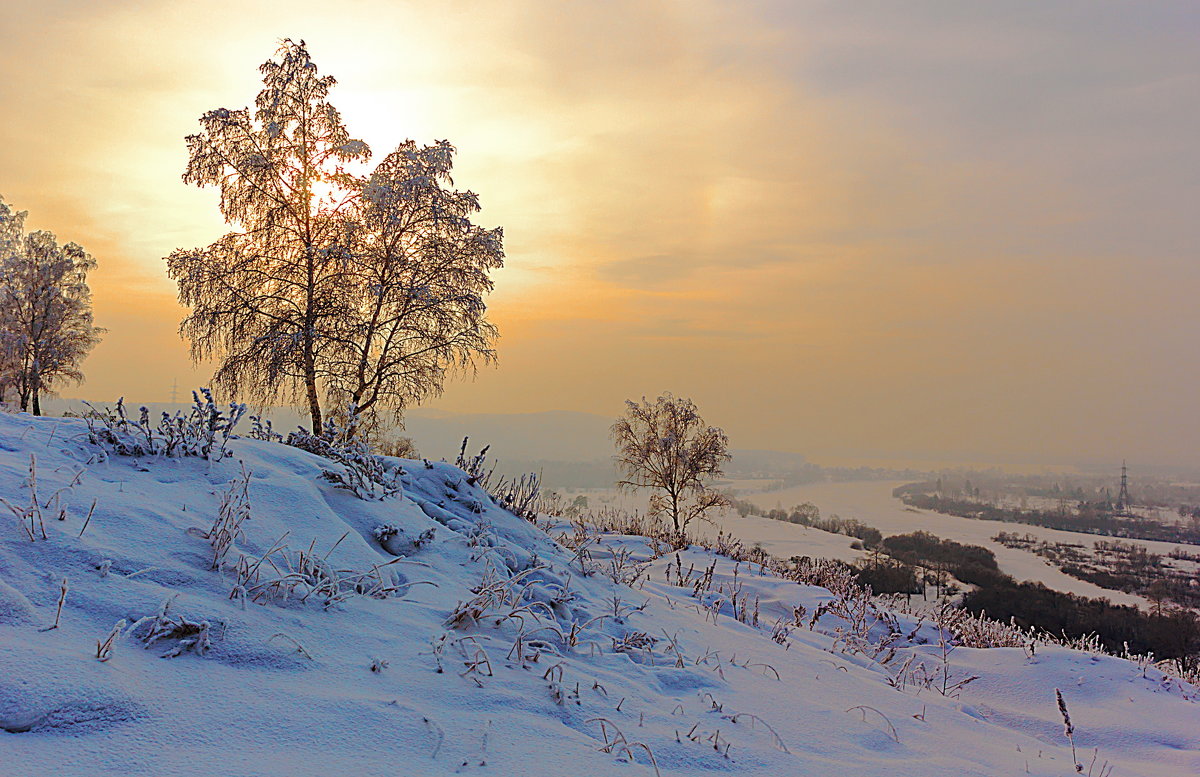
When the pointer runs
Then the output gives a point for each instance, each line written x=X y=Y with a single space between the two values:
x=947 y=229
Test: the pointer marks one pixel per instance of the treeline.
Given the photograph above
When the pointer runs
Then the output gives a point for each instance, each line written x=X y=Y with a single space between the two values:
x=1118 y=566
x=1171 y=634
x=901 y=563
x=809 y=515
x=1165 y=633
x=907 y=563
x=1174 y=490
x=1088 y=517
x=805 y=474
x=969 y=564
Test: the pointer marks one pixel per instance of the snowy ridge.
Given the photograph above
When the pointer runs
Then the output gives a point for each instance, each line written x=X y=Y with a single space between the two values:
x=544 y=671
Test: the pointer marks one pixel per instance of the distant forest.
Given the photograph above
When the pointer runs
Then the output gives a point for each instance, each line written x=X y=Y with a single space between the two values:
x=1101 y=517
x=909 y=563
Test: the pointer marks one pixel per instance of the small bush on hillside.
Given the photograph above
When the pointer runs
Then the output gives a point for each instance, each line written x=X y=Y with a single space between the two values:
x=363 y=473
x=520 y=496
x=204 y=431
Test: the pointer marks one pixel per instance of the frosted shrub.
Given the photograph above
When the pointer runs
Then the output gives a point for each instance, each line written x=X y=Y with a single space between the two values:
x=204 y=431
x=395 y=541
x=475 y=466
x=233 y=512
x=363 y=473
x=520 y=496
x=189 y=636
x=385 y=532
x=499 y=599
x=260 y=429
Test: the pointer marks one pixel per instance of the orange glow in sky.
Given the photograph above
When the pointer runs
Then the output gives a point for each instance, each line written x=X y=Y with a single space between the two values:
x=878 y=228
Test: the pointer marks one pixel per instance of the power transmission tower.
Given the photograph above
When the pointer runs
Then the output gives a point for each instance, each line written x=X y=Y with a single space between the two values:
x=174 y=391
x=1123 y=497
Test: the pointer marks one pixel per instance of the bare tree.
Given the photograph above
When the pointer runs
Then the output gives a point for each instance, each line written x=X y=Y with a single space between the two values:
x=421 y=270
x=265 y=297
x=46 y=325
x=666 y=445
x=367 y=296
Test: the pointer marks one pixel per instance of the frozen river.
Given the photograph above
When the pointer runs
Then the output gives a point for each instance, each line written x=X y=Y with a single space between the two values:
x=872 y=503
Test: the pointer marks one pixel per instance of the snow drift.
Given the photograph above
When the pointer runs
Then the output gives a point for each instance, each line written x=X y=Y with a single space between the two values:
x=264 y=621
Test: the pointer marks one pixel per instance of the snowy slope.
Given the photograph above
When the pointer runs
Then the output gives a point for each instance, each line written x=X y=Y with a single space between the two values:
x=538 y=692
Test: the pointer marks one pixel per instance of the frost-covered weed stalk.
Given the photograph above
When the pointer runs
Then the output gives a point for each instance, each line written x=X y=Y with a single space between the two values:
x=521 y=496
x=189 y=636
x=32 y=517
x=104 y=648
x=232 y=513
x=1106 y=769
x=29 y=516
x=204 y=431
x=364 y=474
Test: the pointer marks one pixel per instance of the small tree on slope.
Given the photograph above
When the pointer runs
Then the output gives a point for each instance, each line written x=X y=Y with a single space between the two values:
x=666 y=445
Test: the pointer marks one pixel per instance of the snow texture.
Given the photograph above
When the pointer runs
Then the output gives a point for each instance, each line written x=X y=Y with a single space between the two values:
x=327 y=660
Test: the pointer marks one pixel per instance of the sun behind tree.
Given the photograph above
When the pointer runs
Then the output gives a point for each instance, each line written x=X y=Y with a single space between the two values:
x=360 y=291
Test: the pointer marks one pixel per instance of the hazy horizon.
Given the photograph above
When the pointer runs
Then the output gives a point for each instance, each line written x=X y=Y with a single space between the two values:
x=891 y=229
x=520 y=439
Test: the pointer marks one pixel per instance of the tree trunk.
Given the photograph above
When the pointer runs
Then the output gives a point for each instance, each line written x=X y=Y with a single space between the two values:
x=314 y=403
x=37 y=403
x=675 y=512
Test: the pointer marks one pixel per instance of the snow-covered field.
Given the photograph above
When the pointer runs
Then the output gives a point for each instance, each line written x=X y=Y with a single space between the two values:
x=872 y=503
x=779 y=538
x=378 y=666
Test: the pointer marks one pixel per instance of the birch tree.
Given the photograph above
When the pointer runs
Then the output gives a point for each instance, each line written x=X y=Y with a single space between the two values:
x=665 y=445
x=46 y=323
x=421 y=270
x=364 y=291
x=12 y=227
x=265 y=297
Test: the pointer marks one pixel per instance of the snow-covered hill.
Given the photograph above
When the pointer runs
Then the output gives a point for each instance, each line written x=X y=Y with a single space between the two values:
x=338 y=637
